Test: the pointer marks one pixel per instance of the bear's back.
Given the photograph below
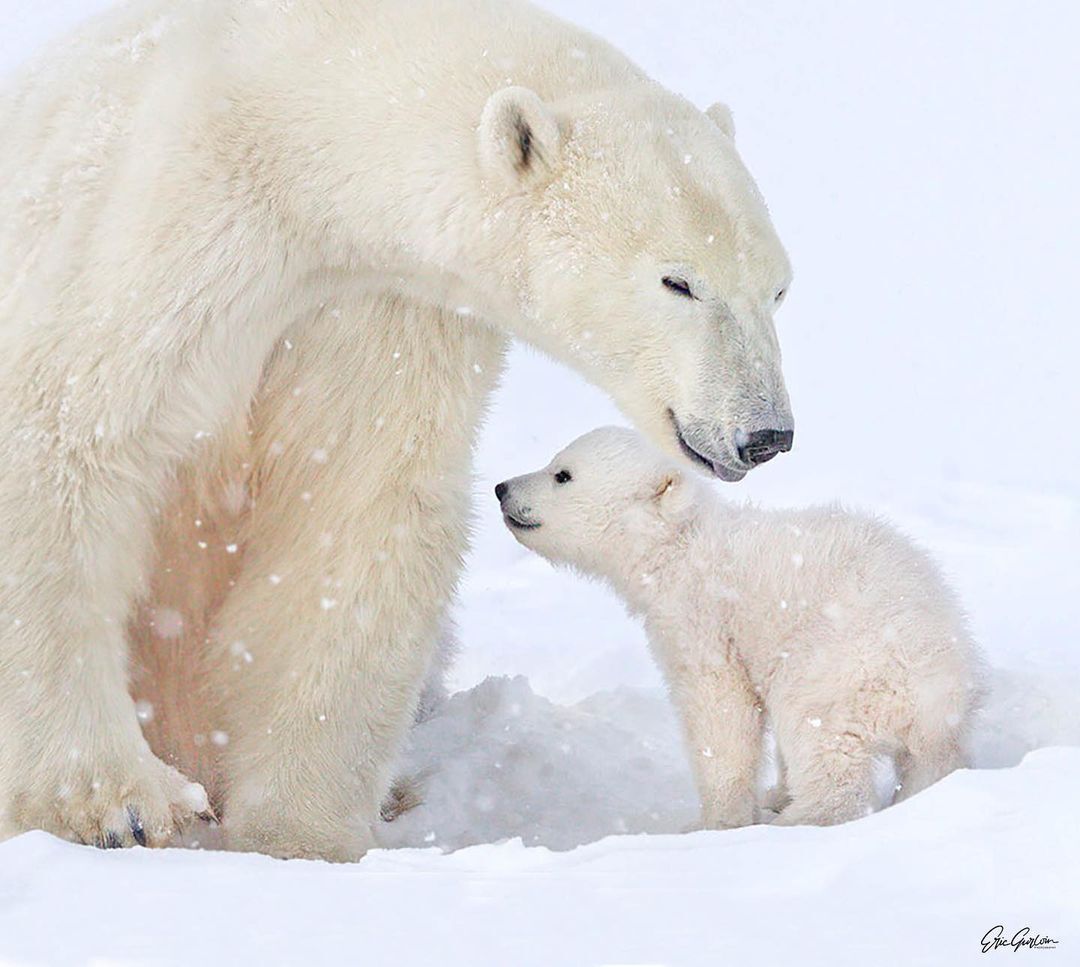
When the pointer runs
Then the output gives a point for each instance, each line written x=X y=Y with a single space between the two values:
x=80 y=121
x=64 y=117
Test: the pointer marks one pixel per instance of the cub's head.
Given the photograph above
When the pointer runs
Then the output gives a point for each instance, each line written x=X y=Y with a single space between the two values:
x=601 y=502
x=645 y=258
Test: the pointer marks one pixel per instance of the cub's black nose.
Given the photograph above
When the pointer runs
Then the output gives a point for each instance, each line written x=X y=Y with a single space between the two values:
x=500 y=490
x=763 y=445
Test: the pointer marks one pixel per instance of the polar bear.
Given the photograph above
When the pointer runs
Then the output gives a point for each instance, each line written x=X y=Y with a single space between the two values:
x=258 y=269
x=830 y=625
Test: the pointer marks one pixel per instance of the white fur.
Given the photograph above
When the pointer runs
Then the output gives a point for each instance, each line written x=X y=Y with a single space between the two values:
x=829 y=625
x=258 y=266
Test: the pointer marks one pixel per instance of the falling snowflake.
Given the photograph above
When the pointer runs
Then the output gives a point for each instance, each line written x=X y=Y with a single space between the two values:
x=167 y=623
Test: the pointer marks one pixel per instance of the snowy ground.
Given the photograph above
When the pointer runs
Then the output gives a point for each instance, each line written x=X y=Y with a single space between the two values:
x=918 y=884
x=919 y=160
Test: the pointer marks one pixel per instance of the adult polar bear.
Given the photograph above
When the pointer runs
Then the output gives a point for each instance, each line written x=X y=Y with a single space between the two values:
x=258 y=268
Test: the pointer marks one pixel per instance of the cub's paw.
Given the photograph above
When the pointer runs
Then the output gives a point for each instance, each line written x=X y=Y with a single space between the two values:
x=730 y=815
x=797 y=815
x=113 y=804
x=809 y=813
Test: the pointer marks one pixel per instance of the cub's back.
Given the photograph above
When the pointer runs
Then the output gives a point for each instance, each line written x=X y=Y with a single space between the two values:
x=828 y=574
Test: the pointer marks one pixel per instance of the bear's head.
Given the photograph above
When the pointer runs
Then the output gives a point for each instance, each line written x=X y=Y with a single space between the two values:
x=602 y=505
x=644 y=256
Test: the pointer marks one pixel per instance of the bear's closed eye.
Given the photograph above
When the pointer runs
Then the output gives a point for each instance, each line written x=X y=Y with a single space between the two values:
x=679 y=286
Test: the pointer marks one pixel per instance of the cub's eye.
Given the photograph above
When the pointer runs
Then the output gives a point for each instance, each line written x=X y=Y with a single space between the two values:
x=563 y=476
x=780 y=296
x=678 y=286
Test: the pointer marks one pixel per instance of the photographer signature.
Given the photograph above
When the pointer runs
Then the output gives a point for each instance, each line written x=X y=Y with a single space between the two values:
x=995 y=938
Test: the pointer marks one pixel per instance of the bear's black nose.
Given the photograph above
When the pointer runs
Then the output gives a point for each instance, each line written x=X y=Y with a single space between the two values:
x=500 y=490
x=762 y=445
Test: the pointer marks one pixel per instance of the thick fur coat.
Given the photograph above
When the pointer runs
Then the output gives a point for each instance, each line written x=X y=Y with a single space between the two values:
x=258 y=267
x=827 y=625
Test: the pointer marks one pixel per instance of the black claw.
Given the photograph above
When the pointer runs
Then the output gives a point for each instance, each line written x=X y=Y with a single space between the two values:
x=111 y=840
x=136 y=826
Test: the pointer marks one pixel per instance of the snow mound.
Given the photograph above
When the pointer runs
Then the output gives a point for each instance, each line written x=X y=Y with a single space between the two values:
x=1026 y=710
x=500 y=762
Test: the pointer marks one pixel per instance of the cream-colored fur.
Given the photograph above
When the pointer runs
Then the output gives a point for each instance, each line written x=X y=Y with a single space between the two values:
x=258 y=266
x=829 y=625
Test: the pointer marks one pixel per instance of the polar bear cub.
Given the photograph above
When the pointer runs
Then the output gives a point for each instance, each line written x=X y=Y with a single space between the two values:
x=829 y=625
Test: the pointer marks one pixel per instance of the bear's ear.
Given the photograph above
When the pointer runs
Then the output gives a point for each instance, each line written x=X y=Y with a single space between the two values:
x=720 y=115
x=672 y=494
x=520 y=141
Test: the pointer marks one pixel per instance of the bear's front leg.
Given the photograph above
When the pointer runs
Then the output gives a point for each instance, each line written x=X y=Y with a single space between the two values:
x=361 y=491
x=722 y=723
x=74 y=528
x=322 y=666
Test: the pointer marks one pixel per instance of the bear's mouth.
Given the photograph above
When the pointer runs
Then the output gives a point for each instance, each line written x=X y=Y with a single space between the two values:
x=516 y=523
x=726 y=472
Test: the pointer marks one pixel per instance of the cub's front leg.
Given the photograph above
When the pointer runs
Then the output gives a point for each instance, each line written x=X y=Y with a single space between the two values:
x=722 y=725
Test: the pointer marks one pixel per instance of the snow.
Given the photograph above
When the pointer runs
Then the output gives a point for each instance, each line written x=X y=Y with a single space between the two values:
x=918 y=160
x=921 y=883
x=551 y=775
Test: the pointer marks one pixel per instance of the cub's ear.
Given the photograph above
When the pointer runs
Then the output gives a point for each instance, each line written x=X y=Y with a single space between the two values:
x=672 y=495
x=720 y=115
x=520 y=141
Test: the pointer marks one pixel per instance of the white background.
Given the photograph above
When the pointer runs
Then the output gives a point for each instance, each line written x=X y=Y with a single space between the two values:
x=920 y=163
